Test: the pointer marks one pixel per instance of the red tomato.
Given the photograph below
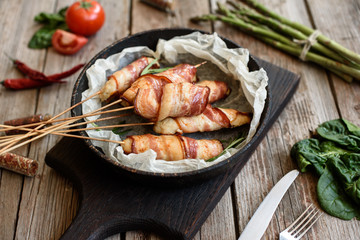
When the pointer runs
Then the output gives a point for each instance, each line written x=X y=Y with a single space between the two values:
x=85 y=17
x=67 y=43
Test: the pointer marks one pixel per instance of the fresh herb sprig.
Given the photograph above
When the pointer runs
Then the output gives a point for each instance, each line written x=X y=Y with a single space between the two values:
x=149 y=70
x=120 y=130
x=234 y=143
x=51 y=22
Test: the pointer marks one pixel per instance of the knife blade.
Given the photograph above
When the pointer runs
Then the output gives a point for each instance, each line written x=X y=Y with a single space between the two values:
x=262 y=217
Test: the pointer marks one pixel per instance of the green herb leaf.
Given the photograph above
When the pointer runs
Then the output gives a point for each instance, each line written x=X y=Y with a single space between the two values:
x=51 y=21
x=120 y=130
x=232 y=144
x=145 y=71
x=46 y=18
x=157 y=70
x=149 y=70
x=95 y=125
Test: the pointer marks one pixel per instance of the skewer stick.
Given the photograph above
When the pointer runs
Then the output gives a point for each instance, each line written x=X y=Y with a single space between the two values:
x=31 y=132
x=6 y=148
x=200 y=64
x=73 y=119
x=90 y=138
x=20 y=127
x=94 y=113
x=83 y=137
x=5 y=138
x=108 y=126
x=11 y=146
x=41 y=124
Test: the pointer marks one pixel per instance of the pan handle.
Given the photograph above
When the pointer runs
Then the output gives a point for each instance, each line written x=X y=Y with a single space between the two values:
x=86 y=226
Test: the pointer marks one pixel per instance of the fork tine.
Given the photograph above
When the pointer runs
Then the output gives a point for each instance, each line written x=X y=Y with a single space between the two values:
x=303 y=218
x=299 y=218
x=312 y=222
x=302 y=224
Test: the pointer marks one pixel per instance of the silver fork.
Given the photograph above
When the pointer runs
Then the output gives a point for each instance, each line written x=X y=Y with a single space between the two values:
x=301 y=225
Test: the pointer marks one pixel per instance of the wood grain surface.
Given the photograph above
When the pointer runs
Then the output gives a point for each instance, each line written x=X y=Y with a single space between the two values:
x=43 y=207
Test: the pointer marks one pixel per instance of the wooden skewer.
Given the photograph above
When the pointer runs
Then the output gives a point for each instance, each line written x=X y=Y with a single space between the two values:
x=83 y=137
x=32 y=132
x=108 y=126
x=12 y=143
x=94 y=113
x=5 y=138
x=9 y=127
x=11 y=146
x=90 y=138
x=65 y=126
x=200 y=64
x=62 y=132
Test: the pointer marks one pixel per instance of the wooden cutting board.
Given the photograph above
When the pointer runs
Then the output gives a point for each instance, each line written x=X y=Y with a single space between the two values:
x=111 y=203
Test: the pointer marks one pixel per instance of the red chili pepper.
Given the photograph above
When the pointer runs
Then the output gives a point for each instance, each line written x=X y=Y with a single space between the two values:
x=37 y=75
x=36 y=79
x=31 y=73
x=58 y=76
x=24 y=83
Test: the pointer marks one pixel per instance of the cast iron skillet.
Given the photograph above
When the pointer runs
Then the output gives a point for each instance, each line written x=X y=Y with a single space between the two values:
x=150 y=39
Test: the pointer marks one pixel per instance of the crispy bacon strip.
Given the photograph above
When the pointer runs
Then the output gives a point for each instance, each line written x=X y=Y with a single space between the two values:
x=218 y=89
x=183 y=99
x=173 y=147
x=175 y=100
x=146 y=81
x=122 y=79
x=180 y=73
x=210 y=120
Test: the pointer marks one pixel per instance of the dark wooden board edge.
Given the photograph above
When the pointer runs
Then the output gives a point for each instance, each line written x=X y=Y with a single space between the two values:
x=111 y=203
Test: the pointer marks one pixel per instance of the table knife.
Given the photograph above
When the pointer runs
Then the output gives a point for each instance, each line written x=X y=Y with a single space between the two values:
x=262 y=217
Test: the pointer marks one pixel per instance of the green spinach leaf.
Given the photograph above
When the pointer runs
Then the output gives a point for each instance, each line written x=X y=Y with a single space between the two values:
x=347 y=169
x=335 y=157
x=338 y=132
x=333 y=199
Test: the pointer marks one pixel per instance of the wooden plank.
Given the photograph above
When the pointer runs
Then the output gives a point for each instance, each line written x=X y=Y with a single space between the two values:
x=49 y=202
x=342 y=25
x=14 y=36
x=311 y=105
x=145 y=17
x=220 y=224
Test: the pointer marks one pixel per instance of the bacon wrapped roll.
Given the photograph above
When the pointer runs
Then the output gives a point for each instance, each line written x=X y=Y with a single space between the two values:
x=177 y=100
x=180 y=73
x=173 y=147
x=210 y=120
x=122 y=79
x=218 y=89
x=146 y=81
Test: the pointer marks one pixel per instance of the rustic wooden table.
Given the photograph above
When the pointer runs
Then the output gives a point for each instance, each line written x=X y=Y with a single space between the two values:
x=43 y=207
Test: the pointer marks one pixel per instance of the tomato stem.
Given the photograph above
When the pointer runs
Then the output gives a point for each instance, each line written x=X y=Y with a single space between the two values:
x=85 y=4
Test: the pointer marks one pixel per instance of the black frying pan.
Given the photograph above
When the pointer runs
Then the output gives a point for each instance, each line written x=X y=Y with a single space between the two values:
x=150 y=39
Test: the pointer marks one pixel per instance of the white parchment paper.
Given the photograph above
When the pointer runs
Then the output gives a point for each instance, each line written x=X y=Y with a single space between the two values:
x=229 y=65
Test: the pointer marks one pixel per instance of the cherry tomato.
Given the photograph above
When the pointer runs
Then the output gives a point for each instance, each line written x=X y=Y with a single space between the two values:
x=67 y=43
x=85 y=17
